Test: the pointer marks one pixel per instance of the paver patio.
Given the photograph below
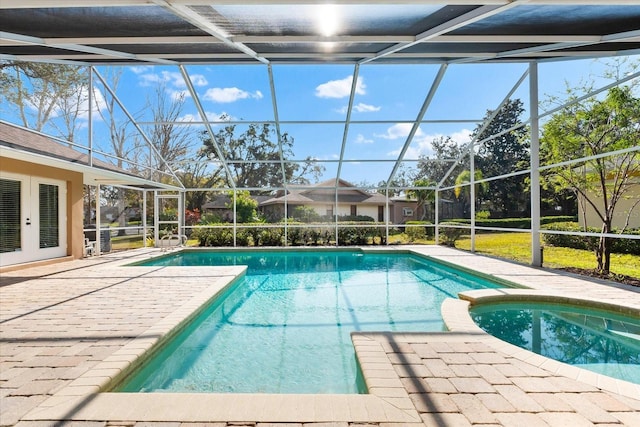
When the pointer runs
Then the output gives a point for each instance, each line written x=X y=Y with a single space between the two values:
x=67 y=329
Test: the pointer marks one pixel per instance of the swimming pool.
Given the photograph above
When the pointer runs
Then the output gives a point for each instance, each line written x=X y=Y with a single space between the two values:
x=600 y=341
x=285 y=327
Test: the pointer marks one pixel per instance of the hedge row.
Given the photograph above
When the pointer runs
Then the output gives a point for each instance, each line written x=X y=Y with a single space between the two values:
x=259 y=235
x=520 y=223
x=621 y=246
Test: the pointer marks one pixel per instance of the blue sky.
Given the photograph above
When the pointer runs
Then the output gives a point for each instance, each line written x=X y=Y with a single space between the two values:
x=393 y=94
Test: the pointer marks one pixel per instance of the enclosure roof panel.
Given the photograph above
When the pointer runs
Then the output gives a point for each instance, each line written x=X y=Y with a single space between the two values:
x=286 y=31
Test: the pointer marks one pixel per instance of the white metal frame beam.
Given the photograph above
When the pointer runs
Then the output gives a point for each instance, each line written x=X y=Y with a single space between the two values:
x=109 y=53
x=35 y=4
x=135 y=124
x=475 y=15
x=416 y=124
x=207 y=124
x=199 y=21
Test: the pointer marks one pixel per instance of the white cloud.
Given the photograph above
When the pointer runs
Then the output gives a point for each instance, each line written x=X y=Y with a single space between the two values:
x=360 y=108
x=211 y=116
x=189 y=118
x=340 y=88
x=360 y=139
x=365 y=108
x=139 y=69
x=399 y=130
x=421 y=144
x=171 y=79
x=198 y=80
x=151 y=79
x=229 y=94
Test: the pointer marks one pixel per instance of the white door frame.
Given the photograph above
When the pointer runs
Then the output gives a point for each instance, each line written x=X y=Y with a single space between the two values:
x=178 y=222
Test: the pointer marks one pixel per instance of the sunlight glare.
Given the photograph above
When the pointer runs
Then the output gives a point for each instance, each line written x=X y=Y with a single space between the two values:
x=327 y=19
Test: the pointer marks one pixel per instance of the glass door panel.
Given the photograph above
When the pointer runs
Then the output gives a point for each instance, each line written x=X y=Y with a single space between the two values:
x=49 y=216
x=10 y=206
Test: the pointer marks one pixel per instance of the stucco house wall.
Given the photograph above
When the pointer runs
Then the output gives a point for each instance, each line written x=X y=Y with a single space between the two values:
x=624 y=208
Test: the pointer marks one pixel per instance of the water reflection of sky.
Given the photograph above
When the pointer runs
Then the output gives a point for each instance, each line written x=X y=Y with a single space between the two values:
x=600 y=341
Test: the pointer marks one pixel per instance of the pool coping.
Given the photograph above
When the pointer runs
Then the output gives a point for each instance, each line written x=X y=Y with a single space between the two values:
x=84 y=398
x=456 y=316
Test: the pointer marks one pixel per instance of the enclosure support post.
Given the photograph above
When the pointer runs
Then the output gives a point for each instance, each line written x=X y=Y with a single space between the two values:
x=144 y=218
x=437 y=217
x=536 y=255
x=182 y=223
x=387 y=215
x=90 y=113
x=472 y=195
x=235 y=217
x=156 y=217
x=98 y=234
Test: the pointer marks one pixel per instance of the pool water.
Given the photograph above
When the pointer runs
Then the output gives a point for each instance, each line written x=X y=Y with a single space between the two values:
x=597 y=340
x=285 y=327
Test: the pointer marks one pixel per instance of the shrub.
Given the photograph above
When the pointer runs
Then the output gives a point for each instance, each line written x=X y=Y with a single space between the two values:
x=417 y=232
x=622 y=246
x=242 y=237
x=483 y=215
x=272 y=236
x=305 y=214
x=210 y=219
x=222 y=236
x=354 y=218
x=449 y=232
x=296 y=236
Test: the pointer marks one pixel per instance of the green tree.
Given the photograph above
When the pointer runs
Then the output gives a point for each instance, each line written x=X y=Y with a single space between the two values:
x=423 y=195
x=505 y=153
x=196 y=175
x=254 y=157
x=463 y=188
x=433 y=167
x=445 y=152
x=246 y=206
x=403 y=178
x=592 y=128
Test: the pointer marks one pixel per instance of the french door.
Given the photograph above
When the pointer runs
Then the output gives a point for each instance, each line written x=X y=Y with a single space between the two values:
x=33 y=219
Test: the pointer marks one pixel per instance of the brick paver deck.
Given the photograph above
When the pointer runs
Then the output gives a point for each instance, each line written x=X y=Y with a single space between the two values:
x=67 y=329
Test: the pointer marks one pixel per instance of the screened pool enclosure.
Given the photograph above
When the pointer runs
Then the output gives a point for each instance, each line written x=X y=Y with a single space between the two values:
x=301 y=122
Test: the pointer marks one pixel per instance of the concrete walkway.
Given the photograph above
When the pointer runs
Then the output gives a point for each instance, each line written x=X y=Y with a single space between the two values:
x=67 y=330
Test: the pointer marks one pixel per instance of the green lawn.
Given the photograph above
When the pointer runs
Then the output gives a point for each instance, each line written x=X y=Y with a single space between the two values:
x=517 y=247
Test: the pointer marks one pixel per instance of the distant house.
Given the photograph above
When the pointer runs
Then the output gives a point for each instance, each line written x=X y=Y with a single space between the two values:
x=322 y=198
x=222 y=206
x=405 y=209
